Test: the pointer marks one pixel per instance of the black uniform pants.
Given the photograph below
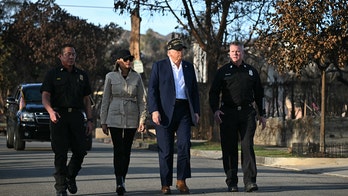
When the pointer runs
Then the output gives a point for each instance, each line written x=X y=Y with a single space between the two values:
x=68 y=133
x=235 y=124
x=122 y=140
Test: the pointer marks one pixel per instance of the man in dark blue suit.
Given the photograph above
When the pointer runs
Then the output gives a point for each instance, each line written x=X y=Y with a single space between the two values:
x=173 y=103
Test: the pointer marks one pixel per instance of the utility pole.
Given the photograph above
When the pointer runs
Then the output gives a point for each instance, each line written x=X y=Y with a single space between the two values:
x=135 y=38
x=135 y=31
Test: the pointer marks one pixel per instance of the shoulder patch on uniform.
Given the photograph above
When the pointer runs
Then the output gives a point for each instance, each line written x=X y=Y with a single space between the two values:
x=251 y=72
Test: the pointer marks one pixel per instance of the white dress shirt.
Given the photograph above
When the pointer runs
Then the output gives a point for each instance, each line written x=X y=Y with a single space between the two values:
x=179 y=81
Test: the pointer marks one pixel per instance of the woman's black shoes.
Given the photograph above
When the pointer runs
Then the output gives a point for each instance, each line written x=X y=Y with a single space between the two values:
x=120 y=190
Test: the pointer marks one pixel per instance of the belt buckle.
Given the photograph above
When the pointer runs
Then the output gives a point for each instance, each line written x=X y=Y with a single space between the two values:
x=69 y=109
x=239 y=108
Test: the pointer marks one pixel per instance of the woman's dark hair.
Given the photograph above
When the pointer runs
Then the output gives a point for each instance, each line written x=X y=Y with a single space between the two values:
x=116 y=66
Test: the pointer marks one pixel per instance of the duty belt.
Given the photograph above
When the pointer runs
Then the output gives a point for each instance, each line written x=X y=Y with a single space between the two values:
x=238 y=107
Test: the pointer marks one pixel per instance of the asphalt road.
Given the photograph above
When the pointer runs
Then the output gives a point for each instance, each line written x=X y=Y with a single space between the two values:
x=29 y=172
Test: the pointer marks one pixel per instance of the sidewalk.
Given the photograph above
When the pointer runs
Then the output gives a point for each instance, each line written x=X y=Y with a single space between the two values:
x=327 y=166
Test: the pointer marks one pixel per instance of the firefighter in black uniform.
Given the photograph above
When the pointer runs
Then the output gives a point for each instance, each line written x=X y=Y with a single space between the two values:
x=65 y=95
x=240 y=87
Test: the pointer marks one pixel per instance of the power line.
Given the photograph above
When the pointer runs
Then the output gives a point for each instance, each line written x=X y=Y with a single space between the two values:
x=99 y=7
x=86 y=6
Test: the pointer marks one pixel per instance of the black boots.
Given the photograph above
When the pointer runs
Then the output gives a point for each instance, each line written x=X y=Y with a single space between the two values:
x=120 y=189
x=71 y=184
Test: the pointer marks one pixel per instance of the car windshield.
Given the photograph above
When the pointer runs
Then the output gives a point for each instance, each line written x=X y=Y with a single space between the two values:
x=32 y=94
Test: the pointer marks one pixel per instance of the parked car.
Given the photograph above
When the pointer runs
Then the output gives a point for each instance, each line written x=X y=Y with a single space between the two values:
x=27 y=119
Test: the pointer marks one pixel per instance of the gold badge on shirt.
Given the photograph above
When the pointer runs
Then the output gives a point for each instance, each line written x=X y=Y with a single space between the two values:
x=81 y=77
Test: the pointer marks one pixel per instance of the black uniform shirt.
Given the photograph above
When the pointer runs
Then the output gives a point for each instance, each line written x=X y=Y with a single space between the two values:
x=67 y=88
x=239 y=86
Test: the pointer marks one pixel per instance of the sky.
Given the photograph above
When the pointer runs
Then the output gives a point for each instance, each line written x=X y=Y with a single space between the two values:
x=101 y=12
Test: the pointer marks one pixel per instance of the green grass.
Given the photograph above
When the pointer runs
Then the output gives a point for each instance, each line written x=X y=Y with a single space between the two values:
x=259 y=150
x=267 y=151
x=206 y=145
x=271 y=152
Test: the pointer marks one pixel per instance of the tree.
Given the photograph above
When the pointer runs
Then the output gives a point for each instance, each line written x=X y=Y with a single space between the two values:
x=33 y=37
x=7 y=8
x=38 y=31
x=307 y=32
x=211 y=24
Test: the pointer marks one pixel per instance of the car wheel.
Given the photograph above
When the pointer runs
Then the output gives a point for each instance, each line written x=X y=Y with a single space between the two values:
x=17 y=140
x=9 y=137
x=9 y=140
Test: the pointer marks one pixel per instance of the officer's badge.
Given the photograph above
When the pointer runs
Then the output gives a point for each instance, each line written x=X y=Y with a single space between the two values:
x=59 y=78
x=81 y=77
x=251 y=73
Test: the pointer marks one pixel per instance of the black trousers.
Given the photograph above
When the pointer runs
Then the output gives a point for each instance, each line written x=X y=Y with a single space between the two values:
x=235 y=124
x=68 y=133
x=122 y=140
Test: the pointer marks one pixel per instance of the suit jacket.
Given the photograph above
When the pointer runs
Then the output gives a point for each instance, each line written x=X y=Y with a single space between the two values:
x=161 y=90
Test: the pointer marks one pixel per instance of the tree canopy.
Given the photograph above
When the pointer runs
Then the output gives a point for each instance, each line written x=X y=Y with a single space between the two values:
x=33 y=36
x=304 y=32
x=211 y=24
x=290 y=34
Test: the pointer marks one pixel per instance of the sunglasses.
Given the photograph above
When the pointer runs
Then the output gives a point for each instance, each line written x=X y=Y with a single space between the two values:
x=130 y=58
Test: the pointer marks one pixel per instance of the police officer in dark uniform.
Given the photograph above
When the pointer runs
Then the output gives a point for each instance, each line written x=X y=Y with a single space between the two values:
x=65 y=95
x=239 y=85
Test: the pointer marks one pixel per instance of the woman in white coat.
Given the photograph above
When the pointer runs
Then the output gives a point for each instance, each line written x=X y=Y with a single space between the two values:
x=123 y=112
